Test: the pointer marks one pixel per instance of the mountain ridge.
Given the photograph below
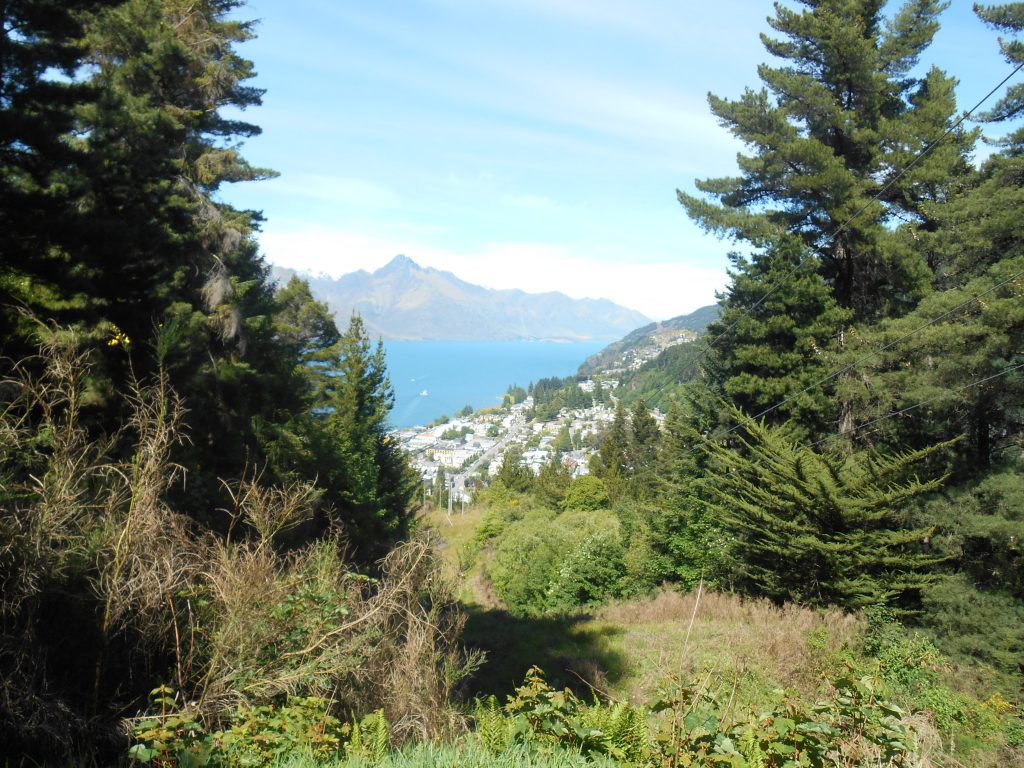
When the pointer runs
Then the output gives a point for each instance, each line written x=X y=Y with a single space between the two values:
x=403 y=301
x=645 y=343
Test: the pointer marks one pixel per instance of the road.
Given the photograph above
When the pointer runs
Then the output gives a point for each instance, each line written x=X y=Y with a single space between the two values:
x=515 y=432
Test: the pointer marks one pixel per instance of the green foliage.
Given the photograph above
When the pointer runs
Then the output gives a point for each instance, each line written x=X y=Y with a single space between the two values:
x=686 y=539
x=591 y=573
x=841 y=104
x=515 y=475
x=974 y=626
x=563 y=440
x=853 y=726
x=370 y=482
x=821 y=528
x=514 y=395
x=551 y=395
x=979 y=527
x=267 y=733
x=783 y=326
x=915 y=671
x=659 y=381
x=371 y=738
x=553 y=484
x=495 y=730
x=525 y=558
x=610 y=464
x=456 y=434
x=546 y=562
x=586 y=493
x=259 y=735
x=1007 y=18
x=541 y=712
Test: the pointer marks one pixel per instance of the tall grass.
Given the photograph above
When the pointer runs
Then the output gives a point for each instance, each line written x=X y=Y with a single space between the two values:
x=463 y=754
x=108 y=591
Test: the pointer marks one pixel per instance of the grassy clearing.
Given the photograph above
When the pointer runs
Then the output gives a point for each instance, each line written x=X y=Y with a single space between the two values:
x=749 y=652
x=457 y=533
x=628 y=649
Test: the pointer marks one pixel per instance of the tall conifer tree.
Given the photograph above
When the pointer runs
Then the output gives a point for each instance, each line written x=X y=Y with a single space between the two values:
x=41 y=174
x=830 y=129
x=371 y=482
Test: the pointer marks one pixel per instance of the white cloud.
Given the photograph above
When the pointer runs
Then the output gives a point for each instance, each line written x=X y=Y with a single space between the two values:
x=660 y=289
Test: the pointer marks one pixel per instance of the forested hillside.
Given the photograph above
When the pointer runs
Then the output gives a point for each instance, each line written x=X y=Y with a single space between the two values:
x=209 y=546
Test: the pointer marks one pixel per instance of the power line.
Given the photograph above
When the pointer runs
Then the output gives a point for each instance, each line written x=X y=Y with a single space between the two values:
x=923 y=403
x=800 y=262
x=880 y=350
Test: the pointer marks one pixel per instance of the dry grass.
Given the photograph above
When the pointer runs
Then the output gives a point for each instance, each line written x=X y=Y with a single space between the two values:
x=678 y=635
x=304 y=624
x=239 y=619
x=83 y=534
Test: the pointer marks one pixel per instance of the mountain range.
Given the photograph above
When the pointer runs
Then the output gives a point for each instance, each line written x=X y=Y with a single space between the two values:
x=403 y=301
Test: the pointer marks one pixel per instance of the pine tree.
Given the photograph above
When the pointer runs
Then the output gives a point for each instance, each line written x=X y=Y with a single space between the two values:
x=369 y=477
x=951 y=365
x=1009 y=18
x=610 y=462
x=820 y=528
x=829 y=130
x=41 y=174
x=642 y=451
x=513 y=474
x=686 y=540
x=971 y=328
x=118 y=234
x=778 y=335
x=552 y=483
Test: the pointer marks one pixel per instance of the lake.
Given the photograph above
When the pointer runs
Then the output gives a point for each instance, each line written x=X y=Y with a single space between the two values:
x=438 y=378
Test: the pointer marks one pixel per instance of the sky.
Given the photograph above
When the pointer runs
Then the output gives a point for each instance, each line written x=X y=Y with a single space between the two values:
x=533 y=144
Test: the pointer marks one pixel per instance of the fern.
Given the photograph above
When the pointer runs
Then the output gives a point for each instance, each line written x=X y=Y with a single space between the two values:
x=624 y=728
x=371 y=738
x=493 y=727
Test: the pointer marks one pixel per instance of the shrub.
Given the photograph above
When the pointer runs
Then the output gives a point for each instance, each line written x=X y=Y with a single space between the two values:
x=590 y=573
x=526 y=556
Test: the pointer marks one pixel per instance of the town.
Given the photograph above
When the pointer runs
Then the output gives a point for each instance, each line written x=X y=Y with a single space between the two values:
x=468 y=450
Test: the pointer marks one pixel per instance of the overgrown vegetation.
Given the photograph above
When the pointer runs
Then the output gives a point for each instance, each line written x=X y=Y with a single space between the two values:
x=107 y=589
x=207 y=535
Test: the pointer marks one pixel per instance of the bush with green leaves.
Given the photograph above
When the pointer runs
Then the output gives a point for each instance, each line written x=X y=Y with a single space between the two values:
x=256 y=735
x=527 y=554
x=592 y=572
x=539 y=712
x=917 y=673
x=980 y=628
x=546 y=562
x=689 y=725
x=586 y=494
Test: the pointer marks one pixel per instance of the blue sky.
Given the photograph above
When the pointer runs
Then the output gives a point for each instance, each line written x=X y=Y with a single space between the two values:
x=532 y=144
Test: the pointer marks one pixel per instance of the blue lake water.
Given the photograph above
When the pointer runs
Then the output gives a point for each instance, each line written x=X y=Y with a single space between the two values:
x=438 y=378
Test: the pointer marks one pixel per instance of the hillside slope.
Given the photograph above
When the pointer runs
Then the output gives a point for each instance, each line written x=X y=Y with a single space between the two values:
x=644 y=344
